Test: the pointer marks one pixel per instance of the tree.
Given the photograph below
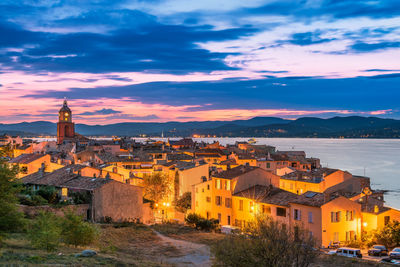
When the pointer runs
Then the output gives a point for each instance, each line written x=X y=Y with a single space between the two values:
x=184 y=202
x=10 y=218
x=77 y=232
x=45 y=231
x=156 y=187
x=266 y=243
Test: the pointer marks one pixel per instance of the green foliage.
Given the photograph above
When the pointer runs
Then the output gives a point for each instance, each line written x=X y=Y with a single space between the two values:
x=49 y=193
x=80 y=197
x=156 y=187
x=77 y=232
x=197 y=221
x=45 y=231
x=11 y=219
x=184 y=203
x=388 y=235
x=266 y=243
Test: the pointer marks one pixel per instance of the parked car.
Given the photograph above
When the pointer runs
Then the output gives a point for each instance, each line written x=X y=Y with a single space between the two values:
x=395 y=253
x=348 y=252
x=378 y=250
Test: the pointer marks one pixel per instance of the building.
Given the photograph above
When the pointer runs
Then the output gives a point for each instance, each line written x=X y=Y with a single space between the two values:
x=31 y=163
x=213 y=198
x=106 y=197
x=65 y=126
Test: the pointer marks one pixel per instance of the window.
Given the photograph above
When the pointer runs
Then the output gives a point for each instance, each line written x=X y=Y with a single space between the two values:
x=240 y=204
x=281 y=212
x=229 y=220
x=24 y=170
x=208 y=199
x=335 y=216
x=386 y=220
x=310 y=217
x=349 y=215
x=228 y=202
x=208 y=187
x=268 y=165
x=228 y=185
x=266 y=209
x=218 y=183
x=218 y=200
x=336 y=237
x=297 y=214
x=208 y=215
x=350 y=235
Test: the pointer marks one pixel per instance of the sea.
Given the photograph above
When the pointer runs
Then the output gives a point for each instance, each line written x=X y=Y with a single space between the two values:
x=378 y=159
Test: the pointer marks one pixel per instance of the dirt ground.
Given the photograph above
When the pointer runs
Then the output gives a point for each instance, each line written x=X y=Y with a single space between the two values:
x=138 y=245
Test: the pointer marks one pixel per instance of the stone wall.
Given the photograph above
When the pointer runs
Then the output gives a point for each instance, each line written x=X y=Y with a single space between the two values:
x=31 y=211
x=119 y=201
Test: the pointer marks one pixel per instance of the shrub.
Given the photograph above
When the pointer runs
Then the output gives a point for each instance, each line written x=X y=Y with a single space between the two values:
x=266 y=243
x=49 y=193
x=184 y=202
x=192 y=219
x=77 y=232
x=201 y=223
x=45 y=231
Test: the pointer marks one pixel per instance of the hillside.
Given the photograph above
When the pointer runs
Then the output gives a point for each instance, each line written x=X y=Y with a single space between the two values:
x=336 y=127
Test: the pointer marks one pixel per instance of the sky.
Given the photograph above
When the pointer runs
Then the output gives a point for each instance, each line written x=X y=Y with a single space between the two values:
x=183 y=60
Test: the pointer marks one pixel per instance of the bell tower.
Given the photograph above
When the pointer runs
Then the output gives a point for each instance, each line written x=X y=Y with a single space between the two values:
x=65 y=126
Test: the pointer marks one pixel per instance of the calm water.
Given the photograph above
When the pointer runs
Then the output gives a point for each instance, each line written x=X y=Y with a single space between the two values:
x=378 y=159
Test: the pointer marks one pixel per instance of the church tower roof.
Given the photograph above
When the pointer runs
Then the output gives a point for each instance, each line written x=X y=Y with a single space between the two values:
x=65 y=107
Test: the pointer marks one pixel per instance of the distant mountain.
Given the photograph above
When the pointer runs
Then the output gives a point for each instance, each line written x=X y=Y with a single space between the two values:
x=136 y=128
x=347 y=127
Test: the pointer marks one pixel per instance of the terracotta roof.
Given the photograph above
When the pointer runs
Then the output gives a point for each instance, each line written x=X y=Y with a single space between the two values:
x=268 y=195
x=313 y=176
x=235 y=172
x=26 y=158
x=66 y=177
x=86 y=183
x=108 y=157
x=179 y=157
x=55 y=178
x=182 y=142
x=310 y=198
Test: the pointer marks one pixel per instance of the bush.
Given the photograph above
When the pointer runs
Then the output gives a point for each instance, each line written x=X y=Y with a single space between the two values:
x=197 y=221
x=49 y=193
x=77 y=232
x=192 y=219
x=184 y=203
x=45 y=231
x=266 y=243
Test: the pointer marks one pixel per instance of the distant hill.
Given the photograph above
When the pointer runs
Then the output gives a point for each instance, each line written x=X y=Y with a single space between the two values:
x=336 y=127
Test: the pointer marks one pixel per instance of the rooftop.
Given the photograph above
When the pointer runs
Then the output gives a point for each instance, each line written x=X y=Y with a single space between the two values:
x=26 y=158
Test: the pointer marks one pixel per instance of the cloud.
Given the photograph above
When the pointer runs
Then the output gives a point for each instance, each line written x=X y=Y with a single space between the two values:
x=299 y=92
x=104 y=111
x=363 y=47
x=385 y=76
x=152 y=47
x=308 y=38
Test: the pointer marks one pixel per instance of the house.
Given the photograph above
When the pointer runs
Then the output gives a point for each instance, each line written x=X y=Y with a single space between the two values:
x=30 y=163
x=106 y=197
x=213 y=198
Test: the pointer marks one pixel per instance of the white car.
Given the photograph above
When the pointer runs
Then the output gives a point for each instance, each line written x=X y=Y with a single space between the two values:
x=347 y=252
x=395 y=253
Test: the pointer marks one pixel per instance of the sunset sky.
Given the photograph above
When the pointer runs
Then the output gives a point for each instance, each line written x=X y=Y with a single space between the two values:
x=183 y=60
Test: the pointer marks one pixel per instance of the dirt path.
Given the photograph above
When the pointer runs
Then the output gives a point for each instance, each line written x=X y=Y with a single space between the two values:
x=192 y=254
